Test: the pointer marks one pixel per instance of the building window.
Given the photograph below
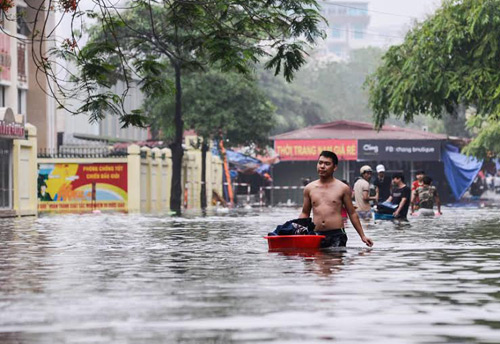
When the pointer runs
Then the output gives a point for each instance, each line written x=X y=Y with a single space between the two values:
x=2 y=20
x=358 y=31
x=336 y=49
x=2 y=96
x=360 y=10
x=21 y=101
x=22 y=27
x=338 y=31
x=5 y=174
x=21 y=62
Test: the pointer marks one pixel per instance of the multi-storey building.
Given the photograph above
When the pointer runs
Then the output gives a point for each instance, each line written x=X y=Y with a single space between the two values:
x=77 y=131
x=346 y=28
x=23 y=88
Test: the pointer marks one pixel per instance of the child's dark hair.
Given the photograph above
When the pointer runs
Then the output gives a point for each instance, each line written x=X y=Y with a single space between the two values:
x=398 y=175
x=331 y=155
x=427 y=180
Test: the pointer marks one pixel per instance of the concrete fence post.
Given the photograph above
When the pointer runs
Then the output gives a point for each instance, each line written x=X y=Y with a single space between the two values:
x=167 y=177
x=25 y=174
x=145 y=179
x=134 y=178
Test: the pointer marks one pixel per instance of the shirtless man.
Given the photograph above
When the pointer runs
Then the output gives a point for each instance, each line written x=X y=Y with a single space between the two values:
x=325 y=197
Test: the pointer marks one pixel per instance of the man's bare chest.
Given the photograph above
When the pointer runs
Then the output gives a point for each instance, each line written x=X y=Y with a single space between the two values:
x=328 y=197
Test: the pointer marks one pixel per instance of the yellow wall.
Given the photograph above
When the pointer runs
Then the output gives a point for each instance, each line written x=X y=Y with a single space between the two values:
x=191 y=175
x=149 y=177
x=155 y=168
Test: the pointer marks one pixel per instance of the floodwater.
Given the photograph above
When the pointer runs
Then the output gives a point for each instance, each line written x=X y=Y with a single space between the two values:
x=157 y=279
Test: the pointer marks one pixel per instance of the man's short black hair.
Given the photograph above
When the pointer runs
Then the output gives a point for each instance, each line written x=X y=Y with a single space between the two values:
x=419 y=172
x=398 y=175
x=427 y=180
x=331 y=155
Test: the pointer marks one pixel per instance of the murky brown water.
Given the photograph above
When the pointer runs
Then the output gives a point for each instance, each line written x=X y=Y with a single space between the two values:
x=152 y=279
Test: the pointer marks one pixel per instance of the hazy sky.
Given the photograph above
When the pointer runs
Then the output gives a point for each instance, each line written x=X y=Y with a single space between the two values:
x=402 y=10
x=392 y=18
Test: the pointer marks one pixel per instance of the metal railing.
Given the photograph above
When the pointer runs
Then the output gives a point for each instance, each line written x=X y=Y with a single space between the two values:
x=81 y=152
x=261 y=193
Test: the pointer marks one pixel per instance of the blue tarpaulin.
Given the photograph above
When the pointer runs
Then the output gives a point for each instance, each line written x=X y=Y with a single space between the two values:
x=460 y=170
x=244 y=163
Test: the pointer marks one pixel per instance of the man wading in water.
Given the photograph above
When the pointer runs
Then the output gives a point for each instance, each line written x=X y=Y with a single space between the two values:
x=325 y=197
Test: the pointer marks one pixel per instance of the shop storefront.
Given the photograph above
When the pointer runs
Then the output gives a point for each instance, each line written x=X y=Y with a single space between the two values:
x=356 y=144
x=9 y=130
x=298 y=164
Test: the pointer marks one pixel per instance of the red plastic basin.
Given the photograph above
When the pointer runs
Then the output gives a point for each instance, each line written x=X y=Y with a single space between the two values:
x=294 y=241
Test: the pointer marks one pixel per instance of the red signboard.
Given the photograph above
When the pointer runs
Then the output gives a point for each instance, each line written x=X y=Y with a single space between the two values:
x=82 y=187
x=303 y=150
x=11 y=130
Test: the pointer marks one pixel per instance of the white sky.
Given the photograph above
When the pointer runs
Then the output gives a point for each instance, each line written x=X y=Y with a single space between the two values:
x=394 y=17
x=402 y=10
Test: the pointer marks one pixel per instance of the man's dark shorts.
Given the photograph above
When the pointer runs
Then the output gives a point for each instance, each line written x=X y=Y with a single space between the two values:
x=333 y=238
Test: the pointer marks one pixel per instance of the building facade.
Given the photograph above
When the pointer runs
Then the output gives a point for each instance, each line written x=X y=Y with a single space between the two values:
x=356 y=144
x=346 y=28
x=76 y=130
x=23 y=99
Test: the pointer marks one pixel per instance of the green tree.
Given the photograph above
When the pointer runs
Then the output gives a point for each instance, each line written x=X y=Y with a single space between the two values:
x=218 y=106
x=445 y=63
x=338 y=85
x=187 y=35
x=294 y=110
x=323 y=91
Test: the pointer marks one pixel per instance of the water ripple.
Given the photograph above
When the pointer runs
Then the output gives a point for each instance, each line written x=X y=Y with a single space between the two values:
x=156 y=279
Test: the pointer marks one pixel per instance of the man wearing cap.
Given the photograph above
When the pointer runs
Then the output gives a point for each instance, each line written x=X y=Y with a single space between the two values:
x=382 y=184
x=362 y=193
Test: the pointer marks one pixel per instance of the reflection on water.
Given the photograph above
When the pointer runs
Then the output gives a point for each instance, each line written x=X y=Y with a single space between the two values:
x=156 y=279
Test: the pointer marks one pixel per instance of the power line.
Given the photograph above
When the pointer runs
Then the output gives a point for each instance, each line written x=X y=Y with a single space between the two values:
x=374 y=11
x=367 y=33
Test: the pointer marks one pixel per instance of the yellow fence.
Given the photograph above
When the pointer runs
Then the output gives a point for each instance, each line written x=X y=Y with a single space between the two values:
x=138 y=181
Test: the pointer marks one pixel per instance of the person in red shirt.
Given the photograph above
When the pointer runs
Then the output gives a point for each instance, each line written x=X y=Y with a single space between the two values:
x=418 y=182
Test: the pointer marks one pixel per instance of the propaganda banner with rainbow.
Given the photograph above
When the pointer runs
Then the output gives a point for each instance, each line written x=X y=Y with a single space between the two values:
x=75 y=187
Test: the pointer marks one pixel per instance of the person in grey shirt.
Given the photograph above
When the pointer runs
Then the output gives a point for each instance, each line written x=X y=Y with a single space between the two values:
x=362 y=193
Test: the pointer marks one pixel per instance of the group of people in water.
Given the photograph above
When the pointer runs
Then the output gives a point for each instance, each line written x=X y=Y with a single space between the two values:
x=391 y=195
x=327 y=197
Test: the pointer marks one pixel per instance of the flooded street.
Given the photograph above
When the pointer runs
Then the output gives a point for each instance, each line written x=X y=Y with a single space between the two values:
x=156 y=279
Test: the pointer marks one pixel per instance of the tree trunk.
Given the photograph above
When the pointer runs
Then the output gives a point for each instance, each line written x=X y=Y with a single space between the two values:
x=203 y=195
x=176 y=147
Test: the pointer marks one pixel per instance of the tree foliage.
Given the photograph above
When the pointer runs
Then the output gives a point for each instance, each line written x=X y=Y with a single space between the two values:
x=338 y=85
x=136 y=41
x=146 y=38
x=323 y=91
x=218 y=106
x=447 y=61
x=294 y=109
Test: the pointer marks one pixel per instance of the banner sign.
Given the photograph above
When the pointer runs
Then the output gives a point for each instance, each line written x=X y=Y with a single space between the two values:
x=406 y=150
x=307 y=150
x=11 y=130
x=82 y=187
